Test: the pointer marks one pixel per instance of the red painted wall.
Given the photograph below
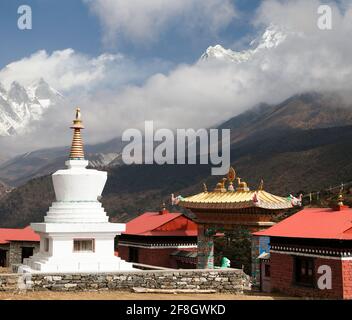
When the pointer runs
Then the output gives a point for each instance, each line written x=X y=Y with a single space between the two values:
x=160 y=257
x=123 y=252
x=281 y=269
x=347 y=279
x=154 y=257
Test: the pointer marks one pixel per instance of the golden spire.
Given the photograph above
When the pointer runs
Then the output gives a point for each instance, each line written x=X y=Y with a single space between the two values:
x=340 y=197
x=340 y=200
x=77 y=152
x=261 y=185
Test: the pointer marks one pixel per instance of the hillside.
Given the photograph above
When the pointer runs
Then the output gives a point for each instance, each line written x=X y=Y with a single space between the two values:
x=20 y=169
x=302 y=144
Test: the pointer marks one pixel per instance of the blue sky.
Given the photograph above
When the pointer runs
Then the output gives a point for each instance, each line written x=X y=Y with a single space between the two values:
x=56 y=25
x=65 y=24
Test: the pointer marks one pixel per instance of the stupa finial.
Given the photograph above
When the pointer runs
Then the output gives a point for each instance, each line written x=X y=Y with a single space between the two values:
x=77 y=152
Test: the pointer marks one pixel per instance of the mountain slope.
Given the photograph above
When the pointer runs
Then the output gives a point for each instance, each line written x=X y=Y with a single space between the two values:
x=305 y=111
x=22 y=168
x=291 y=150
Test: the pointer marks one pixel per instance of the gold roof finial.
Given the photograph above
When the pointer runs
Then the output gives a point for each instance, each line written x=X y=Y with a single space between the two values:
x=242 y=185
x=340 y=197
x=77 y=152
x=163 y=209
x=261 y=185
x=231 y=177
x=205 y=189
x=220 y=186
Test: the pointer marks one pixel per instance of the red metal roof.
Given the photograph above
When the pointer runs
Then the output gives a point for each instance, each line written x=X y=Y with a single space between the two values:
x=316 y=223
x=161 y=224
x=26 y=234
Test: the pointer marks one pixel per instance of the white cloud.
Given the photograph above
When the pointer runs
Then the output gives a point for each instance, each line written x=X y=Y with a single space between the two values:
x=67 y=70
x=145 y=20
x=64 y=69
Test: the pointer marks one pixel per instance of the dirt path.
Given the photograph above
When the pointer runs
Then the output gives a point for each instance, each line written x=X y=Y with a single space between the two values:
x=119 y=295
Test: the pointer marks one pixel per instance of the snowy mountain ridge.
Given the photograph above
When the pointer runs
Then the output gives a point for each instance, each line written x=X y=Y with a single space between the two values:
x=271 y=38
x=20 y=105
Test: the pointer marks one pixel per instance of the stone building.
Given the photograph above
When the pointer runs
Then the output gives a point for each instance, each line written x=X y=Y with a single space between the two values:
x=163 y=238
x=16 y=245
x=311 y=254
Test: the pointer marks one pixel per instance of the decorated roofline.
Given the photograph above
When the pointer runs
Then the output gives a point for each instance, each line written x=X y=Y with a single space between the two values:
x=227 y=196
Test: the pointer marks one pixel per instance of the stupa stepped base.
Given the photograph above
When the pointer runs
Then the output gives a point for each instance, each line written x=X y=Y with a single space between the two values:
x=77 y=247
x=76 y=211
x=80 y=228
x=88 y=263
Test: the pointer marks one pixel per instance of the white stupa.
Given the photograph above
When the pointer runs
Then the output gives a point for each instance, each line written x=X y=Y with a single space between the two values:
x=76 y=235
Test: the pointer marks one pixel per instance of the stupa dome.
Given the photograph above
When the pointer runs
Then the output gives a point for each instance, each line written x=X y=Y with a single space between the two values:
x=77 y=183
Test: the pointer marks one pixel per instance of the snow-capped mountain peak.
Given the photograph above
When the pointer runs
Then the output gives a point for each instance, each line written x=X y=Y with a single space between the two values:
x=41 y=90
x=20 y=105
x=220 y=53
x=272 y=37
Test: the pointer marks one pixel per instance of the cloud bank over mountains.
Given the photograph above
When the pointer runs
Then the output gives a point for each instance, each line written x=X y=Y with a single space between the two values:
x=117 y=92
x=68 y=70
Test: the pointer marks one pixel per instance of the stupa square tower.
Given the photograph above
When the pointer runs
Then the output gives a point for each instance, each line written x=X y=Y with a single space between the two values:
x=76 y=235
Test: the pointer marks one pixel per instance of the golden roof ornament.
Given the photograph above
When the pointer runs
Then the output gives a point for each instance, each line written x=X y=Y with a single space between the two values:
x=77 y=152
x=340 y=197
x=340 y=200
x=205 y=189
x=231 y=177
x=242 y=185
x=261 y=185
x=220 y=186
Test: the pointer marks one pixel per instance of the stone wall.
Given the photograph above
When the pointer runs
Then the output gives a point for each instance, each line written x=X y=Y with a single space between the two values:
x=221 y=280
x=15 y=250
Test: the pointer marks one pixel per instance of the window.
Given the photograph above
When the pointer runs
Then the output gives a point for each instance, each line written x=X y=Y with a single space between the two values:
x=133 y=254
x=3 y=258
x=267 y=270
x=46 y=244
x=304 y=271
x=85 y=245
x=26 y=252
